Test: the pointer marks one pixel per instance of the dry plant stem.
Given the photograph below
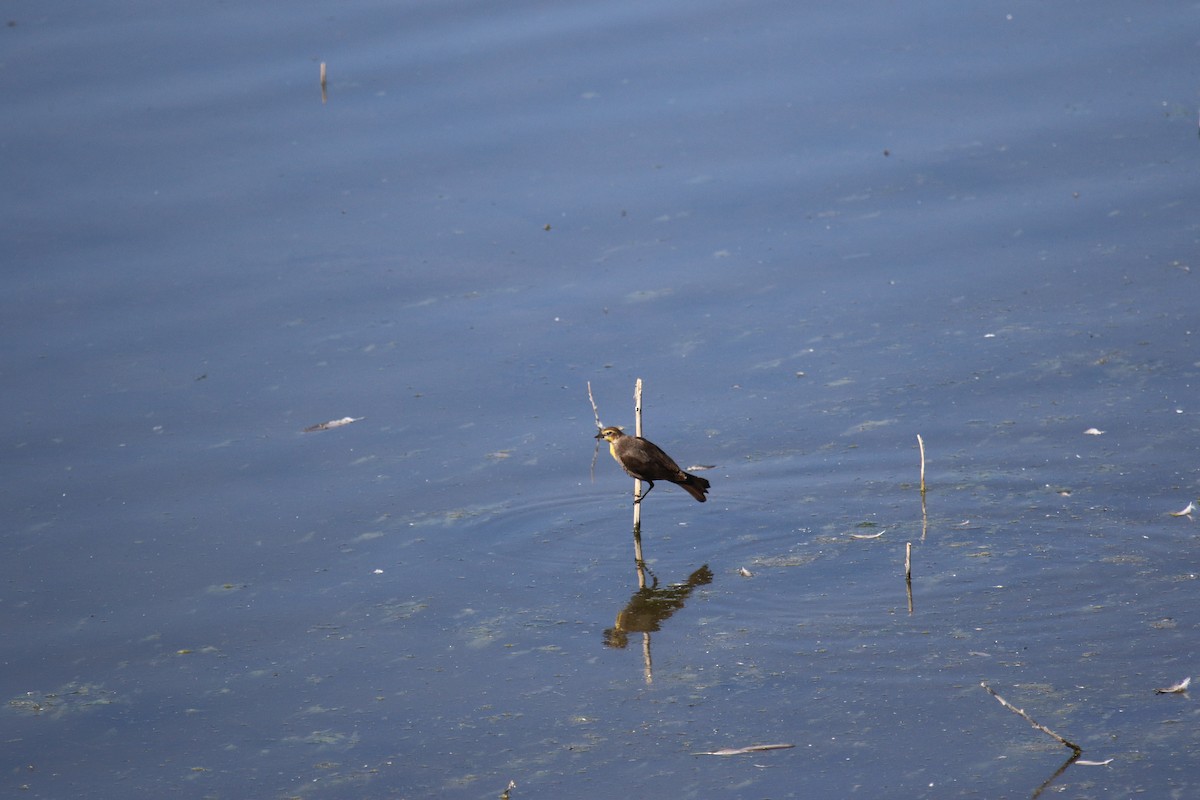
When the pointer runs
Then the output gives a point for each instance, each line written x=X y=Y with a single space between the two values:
x=595 y=411
x=908 y=574
x=1031 y=720
x=599 y=427
x=637 y=491
x=637 y=428
x=637 y=408
x=924 y=514
x=921 y=446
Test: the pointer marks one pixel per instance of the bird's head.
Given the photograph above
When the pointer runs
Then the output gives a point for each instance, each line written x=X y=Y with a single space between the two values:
x=610 y=434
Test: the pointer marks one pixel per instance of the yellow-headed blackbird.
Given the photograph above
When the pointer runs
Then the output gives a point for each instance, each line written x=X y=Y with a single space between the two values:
x=646 y=461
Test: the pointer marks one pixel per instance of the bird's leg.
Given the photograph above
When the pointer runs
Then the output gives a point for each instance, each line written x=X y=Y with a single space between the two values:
x=650 y=485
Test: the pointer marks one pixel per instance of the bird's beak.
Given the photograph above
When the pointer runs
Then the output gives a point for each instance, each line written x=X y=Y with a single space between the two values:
x=598 y=436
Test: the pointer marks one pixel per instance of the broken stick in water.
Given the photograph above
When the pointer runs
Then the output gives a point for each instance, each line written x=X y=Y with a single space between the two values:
x=1031 y=720
x=333 y=423
x=1176 y=688
x=741 y=751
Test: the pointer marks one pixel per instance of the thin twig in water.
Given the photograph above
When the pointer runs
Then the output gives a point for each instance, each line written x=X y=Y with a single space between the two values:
x=1176 y=688
x=921 y=445
x=741 y=751
x=333 y=423
x=924 y=513
x=595 y=411
x=908 y=574
x=1186 y=512
x=1031 y=720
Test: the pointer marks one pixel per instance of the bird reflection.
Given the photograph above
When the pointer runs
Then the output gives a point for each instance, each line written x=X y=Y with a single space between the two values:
x=650 y=606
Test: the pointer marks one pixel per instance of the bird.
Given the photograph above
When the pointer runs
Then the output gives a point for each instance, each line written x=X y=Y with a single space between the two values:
x=646 y=461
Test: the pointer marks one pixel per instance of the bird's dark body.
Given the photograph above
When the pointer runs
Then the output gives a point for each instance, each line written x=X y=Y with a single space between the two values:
x=644 y=460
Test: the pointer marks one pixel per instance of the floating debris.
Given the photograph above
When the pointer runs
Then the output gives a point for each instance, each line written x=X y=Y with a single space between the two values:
x=70 y=698
x=333 y=423
x=1178 y=688
x=741 y=751
x=1093 y=432
x=745 y=573
x=1037 y=725
x=1084 y=763
x=867 y=535
x=1186 y=512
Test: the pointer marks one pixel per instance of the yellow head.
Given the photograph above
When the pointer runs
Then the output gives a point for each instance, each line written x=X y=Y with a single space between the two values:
x=610 y=434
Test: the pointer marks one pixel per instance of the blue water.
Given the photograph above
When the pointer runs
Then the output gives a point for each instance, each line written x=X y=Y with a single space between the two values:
x=814 y=232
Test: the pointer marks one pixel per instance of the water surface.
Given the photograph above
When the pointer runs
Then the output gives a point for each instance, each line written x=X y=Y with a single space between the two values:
x=814 y=233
